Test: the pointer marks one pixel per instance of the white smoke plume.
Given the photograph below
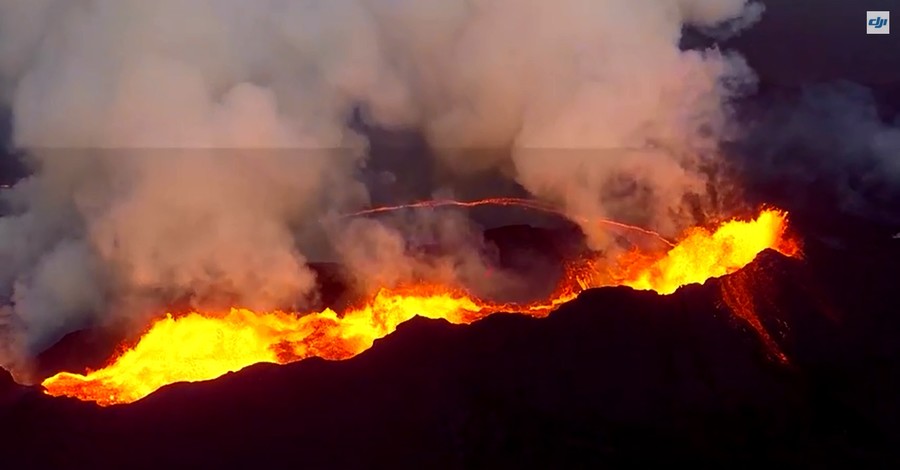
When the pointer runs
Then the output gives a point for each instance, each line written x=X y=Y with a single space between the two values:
x=125 y=106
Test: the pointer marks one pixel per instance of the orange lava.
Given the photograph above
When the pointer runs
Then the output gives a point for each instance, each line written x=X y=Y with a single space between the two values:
x=204 y=346
x=703 y=254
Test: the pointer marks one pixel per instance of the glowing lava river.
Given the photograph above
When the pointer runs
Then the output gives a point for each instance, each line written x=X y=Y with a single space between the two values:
x=204 y=346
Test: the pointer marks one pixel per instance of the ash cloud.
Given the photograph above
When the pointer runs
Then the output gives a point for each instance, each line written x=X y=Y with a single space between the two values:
x=123 y=108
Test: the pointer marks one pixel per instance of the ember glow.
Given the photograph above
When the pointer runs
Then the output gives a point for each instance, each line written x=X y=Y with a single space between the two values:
x=204 y=346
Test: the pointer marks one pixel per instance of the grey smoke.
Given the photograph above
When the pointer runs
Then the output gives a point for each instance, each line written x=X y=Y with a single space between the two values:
x=829 y=141
x=123 y=107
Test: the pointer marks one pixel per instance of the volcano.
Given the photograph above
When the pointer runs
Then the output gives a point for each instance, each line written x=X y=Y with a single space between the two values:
x=162 y=164
x=616 y=376
x=203 y=345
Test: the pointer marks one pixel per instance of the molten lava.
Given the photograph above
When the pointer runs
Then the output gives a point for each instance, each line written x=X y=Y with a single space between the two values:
x=199 y=347
x=702 y=254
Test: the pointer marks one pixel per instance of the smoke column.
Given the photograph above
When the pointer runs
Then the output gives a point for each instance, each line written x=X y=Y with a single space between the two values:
x=180 y=147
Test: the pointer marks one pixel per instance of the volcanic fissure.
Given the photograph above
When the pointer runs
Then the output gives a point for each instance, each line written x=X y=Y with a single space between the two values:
x=202 y=346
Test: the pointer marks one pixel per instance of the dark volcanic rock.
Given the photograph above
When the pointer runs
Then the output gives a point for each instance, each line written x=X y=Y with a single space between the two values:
x=78 y=351
x=7 y=383
x=533 y=257
x=12 y=395
x=615 y=377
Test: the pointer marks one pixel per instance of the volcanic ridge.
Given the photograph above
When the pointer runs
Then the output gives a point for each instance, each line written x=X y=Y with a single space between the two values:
x=616 y=369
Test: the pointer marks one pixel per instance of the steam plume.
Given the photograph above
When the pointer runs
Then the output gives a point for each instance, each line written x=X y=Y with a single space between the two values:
x=123 y=107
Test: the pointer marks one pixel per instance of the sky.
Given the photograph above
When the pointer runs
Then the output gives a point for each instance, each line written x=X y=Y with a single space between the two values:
x=799 y=41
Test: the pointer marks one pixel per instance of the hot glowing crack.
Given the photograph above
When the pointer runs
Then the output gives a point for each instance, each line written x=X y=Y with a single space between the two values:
x=204 y=346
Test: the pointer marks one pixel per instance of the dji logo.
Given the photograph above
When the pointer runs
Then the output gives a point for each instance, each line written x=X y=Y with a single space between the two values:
x=878 y=22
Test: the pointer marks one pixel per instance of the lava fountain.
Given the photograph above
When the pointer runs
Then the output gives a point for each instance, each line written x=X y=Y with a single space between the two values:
x=204 y=346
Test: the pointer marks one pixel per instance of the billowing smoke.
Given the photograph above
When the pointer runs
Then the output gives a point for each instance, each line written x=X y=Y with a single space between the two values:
x=179 y=147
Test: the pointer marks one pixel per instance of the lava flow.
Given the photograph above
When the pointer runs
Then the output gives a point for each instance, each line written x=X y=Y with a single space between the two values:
x=203 y=346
